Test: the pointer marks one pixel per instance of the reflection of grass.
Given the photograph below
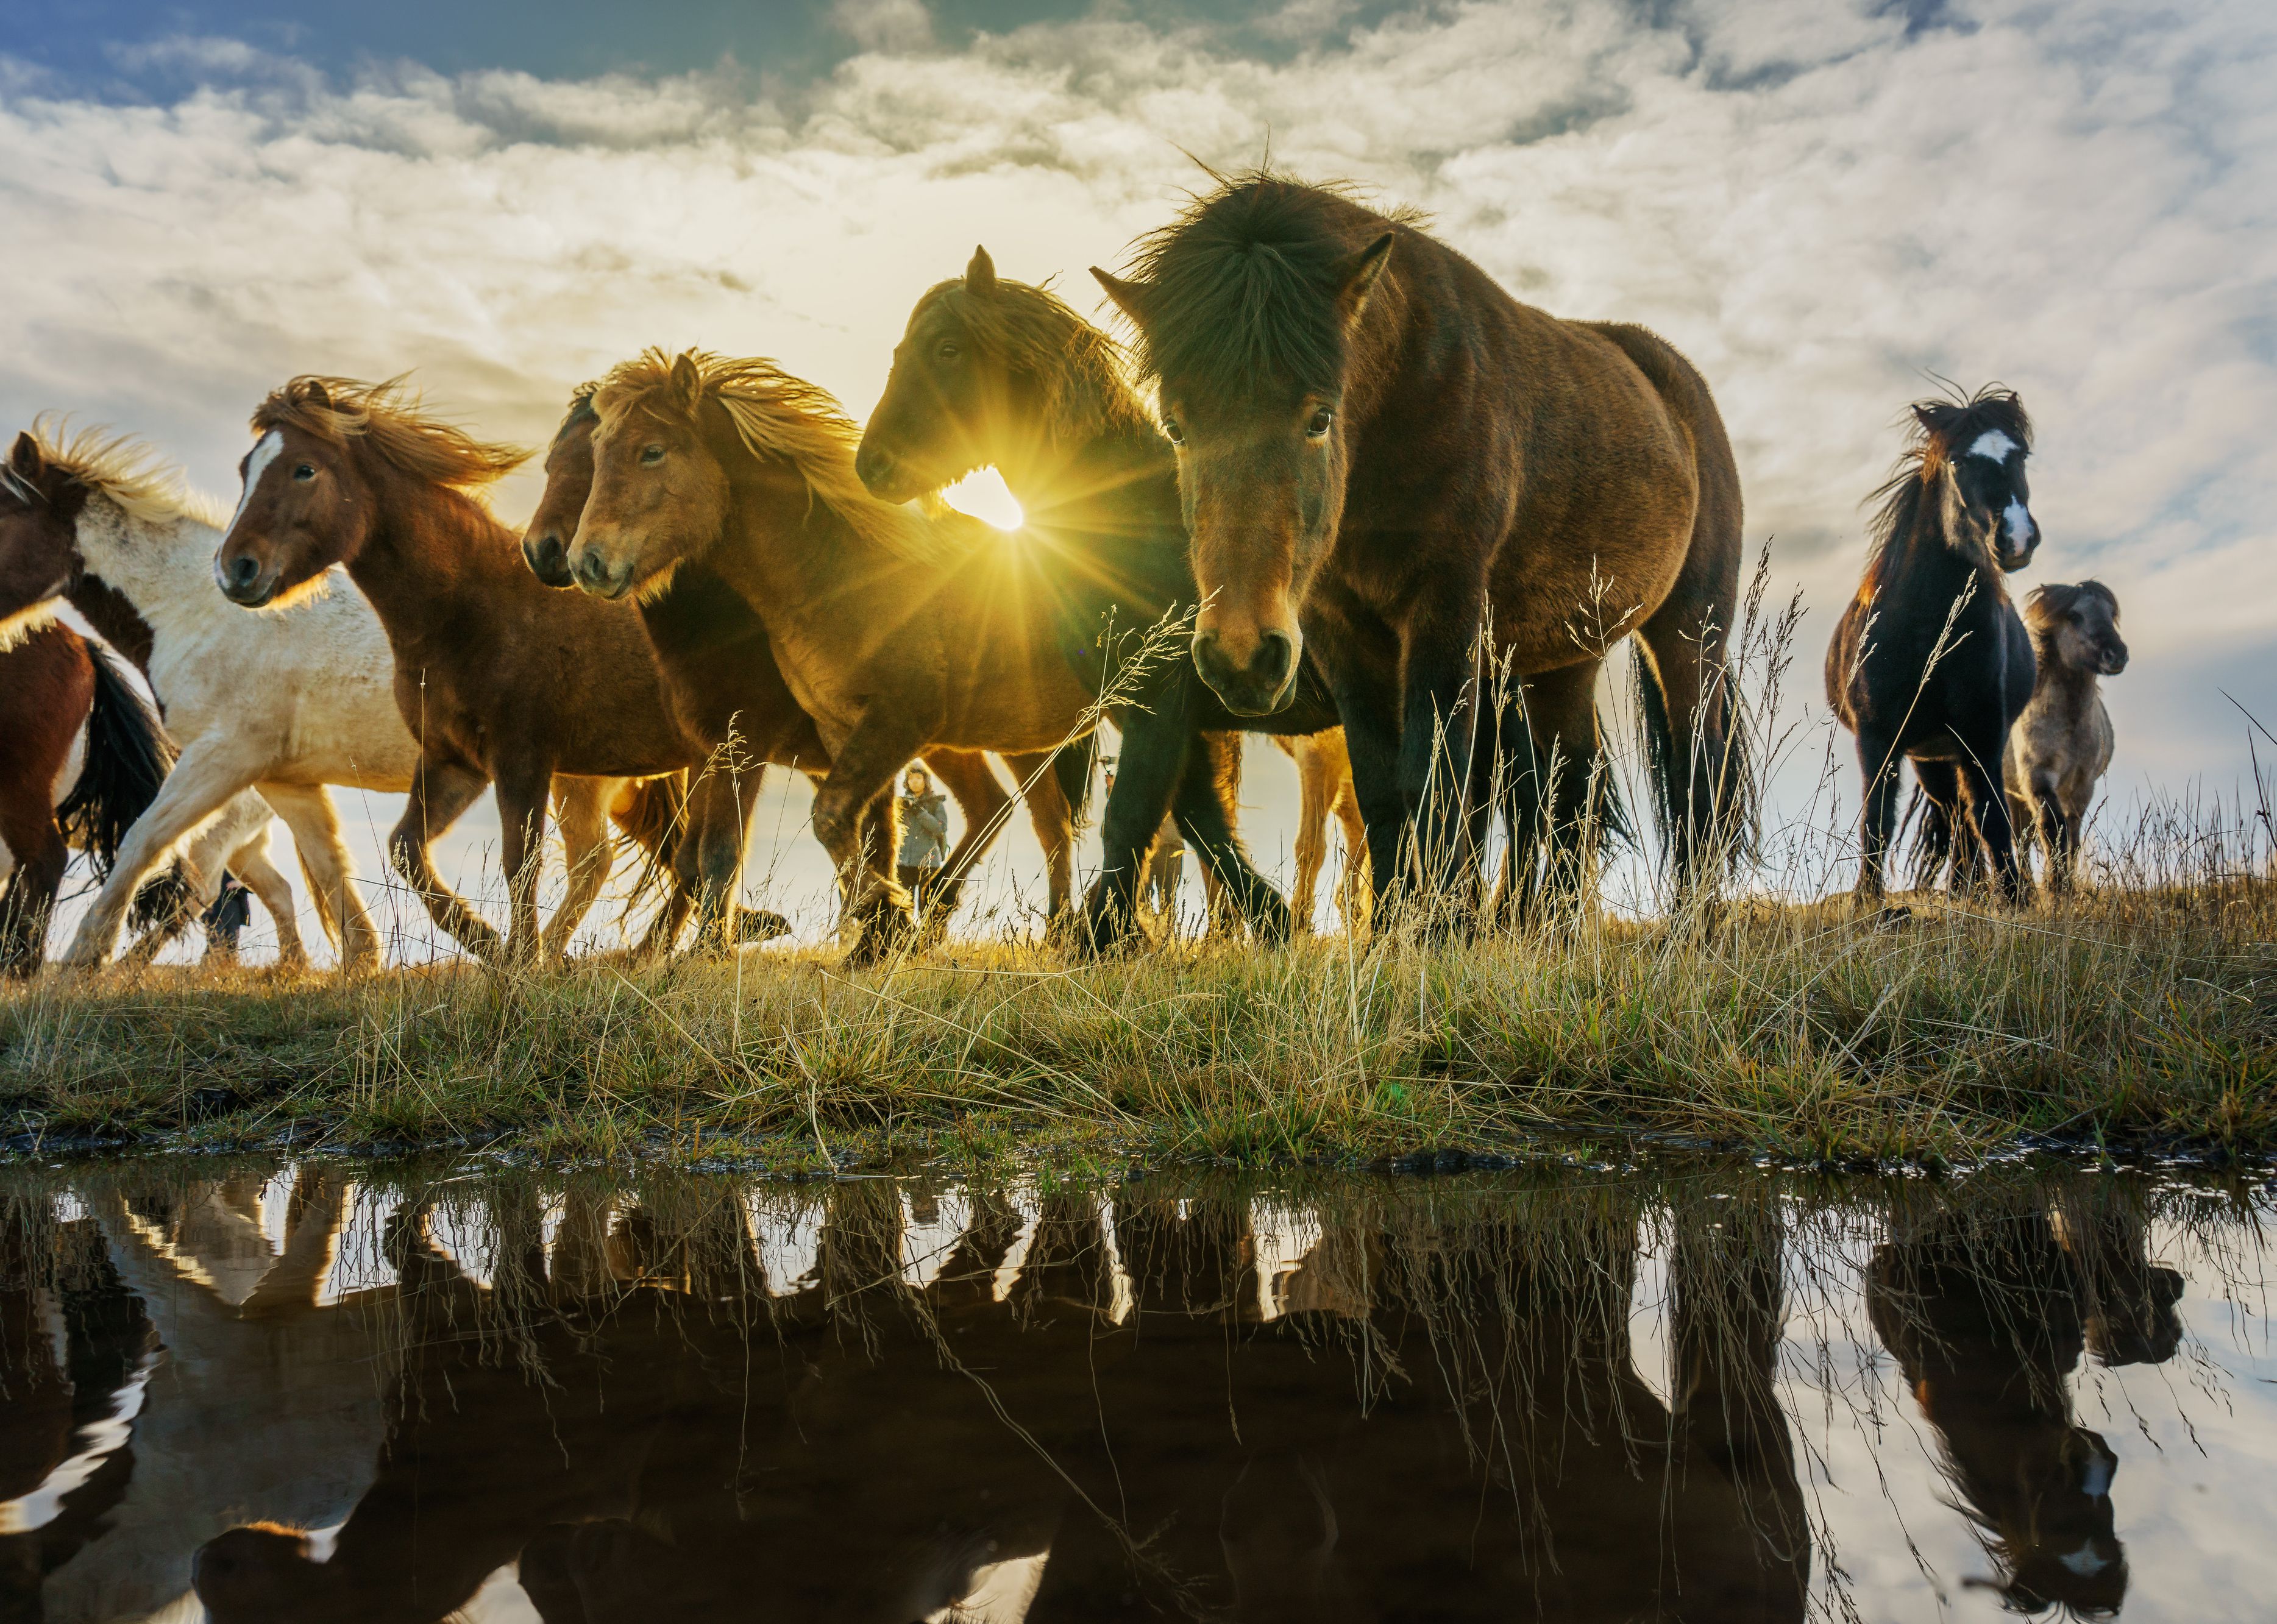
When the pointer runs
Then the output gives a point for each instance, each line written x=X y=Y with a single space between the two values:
x=1800 y=1030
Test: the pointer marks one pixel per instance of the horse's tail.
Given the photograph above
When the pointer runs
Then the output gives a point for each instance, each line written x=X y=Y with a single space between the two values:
x=1613 y=818
x=1727 y=781
x=1075 y=766
x=653 y=815
x=128 y=757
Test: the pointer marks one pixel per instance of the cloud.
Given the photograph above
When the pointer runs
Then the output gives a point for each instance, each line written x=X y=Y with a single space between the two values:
x=1820 y=203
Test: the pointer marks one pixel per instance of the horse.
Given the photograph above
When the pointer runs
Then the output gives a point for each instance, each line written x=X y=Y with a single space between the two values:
x=722 y=681
x=897 y=630
x=1324 y=786
x=497 y=679
x=991 y=372
x=2061 y=747
x=1388 y=460
x=1930 y=662
x=81 y=754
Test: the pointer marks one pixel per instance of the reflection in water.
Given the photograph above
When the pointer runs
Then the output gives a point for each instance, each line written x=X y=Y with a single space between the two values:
x=319 y=1393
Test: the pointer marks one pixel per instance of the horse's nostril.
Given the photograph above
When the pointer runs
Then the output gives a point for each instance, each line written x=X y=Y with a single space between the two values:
x=1274 y=658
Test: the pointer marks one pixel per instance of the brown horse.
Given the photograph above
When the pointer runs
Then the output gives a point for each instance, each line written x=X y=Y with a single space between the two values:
x=499 y=680
x=721 y=679
x=81 y=754
x=896 y=631
x=994 y=372
x=1388 y=460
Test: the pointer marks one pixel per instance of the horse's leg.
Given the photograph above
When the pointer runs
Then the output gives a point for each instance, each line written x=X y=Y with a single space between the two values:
x=1561 y=708
x=1438 y=734
x=251 y=864
x=581 y=808
x=1701 y=770
x=1944 y=842
x=441 y=791
x=1147 y=773
x=972 y=782
x=1352 y=881
x=309 y=813
x=1988 y=814
x=210 y=770
x=2063 y=831
x=1204 y=816
x=1222 y=905
x=1879 y=761
x=720 y=815
x=35 y=843
x=1316 y=789
x=862 y=770
x=1055 y=824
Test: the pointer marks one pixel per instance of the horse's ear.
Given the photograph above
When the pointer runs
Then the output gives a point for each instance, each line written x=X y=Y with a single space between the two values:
x=687 y=381
x=1356 y=276
x=1130 y=298
x=24 y=456
x=317 y=395
x=981 y=276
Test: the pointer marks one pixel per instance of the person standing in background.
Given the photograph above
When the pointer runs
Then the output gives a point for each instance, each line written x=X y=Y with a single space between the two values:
x=925 y=835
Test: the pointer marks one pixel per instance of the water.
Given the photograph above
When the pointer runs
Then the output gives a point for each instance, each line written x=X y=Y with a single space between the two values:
x=257 y=1391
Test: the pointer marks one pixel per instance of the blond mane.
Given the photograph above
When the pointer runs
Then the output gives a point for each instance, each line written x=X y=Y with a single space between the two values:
x=387 y=417
x=778 y=415
x=128 y=470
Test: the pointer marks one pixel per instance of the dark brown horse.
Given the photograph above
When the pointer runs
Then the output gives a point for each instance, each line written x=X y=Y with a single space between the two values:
x=897 y=631
x=81 y=754
x=1931 y=663
x=996 y=373
x=499 y=680
x=722 y=681
x=1388 y=460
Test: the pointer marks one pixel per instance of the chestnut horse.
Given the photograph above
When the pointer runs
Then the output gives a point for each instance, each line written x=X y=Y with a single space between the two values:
x=897 y=631
x=1389 y=461
x=81 y=753
x=499 y=680
x=1931 y=663
x=996 y=373
x=721 y=679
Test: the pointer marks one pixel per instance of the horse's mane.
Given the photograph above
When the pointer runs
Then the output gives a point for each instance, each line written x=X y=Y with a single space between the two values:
x=386 y=417
x=1033 y=330
x=581 y=408
x=1243 y=281
x=2046 y=605
x=128 y=470
x=1939 y=424
x=778 y=415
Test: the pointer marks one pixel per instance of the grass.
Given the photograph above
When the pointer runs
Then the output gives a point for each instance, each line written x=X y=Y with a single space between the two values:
x=2130 y=1016
x=2140 y=1014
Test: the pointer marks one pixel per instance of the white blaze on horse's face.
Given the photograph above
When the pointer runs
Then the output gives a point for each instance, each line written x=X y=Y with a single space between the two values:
x=2018 y=520
x=265 y=452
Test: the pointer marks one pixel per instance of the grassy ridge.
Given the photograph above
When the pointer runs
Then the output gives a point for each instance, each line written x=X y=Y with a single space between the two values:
x=1806 y=1032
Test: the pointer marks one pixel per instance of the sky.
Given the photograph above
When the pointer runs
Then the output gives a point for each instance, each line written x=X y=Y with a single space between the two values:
x=1825 y=204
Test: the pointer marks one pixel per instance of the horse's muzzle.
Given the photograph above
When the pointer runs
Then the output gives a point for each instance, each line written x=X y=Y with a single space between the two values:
x=1262 y=686
x=596 y=575
x=883 y=474
x=548 y=558
x=243 y=581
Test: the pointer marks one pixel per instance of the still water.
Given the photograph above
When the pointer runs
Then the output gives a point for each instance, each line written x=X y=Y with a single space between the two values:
x=263 y=1391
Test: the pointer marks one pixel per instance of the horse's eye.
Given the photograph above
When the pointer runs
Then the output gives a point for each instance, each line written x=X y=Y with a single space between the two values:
x=304 y=471
x=1317 y=426
x=1174 y=428
x=650 y=455
x=950 y=350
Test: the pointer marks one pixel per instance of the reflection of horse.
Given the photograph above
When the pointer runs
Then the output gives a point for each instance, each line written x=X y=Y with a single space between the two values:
x=897 y=632
x=1930 y=662
x=1987 y=1320
x=82 y=755
x=499 y=680
x=1389 y=460
x=1069 y=1408
x=996 y=373
x=720 y=676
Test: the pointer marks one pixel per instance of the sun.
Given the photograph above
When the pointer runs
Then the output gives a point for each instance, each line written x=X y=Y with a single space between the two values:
x=983 y=494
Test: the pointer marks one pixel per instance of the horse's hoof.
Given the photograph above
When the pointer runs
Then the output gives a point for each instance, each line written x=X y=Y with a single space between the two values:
x=761 y=925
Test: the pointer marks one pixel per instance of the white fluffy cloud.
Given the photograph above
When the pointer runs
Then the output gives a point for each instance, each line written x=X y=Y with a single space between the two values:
x=1820 y=203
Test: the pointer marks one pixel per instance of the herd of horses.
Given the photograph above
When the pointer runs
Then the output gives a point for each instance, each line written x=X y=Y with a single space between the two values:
x=1385 y=506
